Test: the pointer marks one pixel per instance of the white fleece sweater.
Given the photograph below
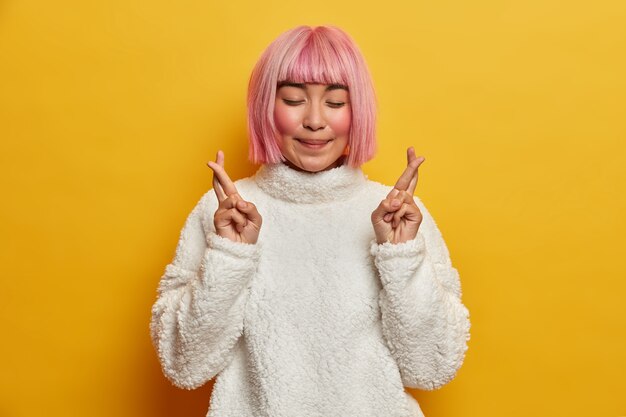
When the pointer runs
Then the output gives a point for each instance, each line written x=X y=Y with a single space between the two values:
x=316 y=319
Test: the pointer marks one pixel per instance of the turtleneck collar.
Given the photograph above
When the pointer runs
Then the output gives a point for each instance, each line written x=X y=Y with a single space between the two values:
x=285 y=183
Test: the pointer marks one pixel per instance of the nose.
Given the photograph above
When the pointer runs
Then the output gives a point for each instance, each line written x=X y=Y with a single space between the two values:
x=314 y=119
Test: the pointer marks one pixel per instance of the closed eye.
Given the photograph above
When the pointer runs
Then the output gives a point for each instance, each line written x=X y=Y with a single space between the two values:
x=292 y=102
x=335 y=105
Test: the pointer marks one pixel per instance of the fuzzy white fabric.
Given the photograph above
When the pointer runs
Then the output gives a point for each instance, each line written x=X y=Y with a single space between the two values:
x=316 y=319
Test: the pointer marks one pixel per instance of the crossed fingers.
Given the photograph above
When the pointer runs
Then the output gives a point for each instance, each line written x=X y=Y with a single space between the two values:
x=408 y=180
x=402 y=191
x=222 y=184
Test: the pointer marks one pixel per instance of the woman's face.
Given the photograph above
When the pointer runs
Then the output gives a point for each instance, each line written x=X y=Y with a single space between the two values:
x=314 y=124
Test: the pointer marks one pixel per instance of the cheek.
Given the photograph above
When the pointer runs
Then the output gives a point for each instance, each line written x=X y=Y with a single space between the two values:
x=286 y=119
x=341 y=123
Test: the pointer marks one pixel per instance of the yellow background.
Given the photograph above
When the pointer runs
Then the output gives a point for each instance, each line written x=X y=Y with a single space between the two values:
x=110 y=109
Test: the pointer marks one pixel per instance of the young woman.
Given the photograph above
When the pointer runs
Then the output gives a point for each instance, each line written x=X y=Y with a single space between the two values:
x=307 y=289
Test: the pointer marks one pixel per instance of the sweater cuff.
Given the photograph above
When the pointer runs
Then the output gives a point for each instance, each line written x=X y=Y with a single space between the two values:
x=235 y=249
x=409 y=249
x=398 y=262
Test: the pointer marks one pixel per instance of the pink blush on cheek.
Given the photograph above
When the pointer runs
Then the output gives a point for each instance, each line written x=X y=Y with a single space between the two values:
x=341 y=123
x=286 y=121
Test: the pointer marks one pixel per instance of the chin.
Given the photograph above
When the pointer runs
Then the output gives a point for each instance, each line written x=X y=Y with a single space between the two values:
x=315 y=169
x=316 y=166
x=311 y=166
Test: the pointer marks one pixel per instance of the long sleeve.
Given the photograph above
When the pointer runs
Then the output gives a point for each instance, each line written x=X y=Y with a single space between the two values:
x=424 y=322
x=197 y=318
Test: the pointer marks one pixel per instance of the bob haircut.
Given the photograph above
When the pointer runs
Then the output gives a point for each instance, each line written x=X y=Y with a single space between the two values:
x=305 y=54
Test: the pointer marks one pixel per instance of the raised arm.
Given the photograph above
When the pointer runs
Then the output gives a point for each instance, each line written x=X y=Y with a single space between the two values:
x=424 y=322
x=197 y=318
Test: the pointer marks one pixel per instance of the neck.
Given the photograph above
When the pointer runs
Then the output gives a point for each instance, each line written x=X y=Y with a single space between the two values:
x=340 y=161
x=298 y=186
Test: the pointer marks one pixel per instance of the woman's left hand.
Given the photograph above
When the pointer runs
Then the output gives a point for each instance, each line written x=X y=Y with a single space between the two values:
x=397 y=218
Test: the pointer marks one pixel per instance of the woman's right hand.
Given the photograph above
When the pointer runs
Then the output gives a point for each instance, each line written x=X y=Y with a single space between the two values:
x=235 y=218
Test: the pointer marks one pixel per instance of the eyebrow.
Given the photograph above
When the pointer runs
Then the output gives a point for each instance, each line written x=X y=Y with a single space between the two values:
x=303 y=86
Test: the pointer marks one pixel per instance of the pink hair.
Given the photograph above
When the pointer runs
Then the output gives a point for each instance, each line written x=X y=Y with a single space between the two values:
x=322 y=54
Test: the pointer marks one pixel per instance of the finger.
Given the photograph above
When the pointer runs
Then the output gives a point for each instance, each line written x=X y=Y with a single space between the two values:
x=381 y=211
x=218 y=189
x=405 y=197
x=401 y=197
x=224 y=217
x=412 y=184
x=393 y=193
x=398 y=215
x=383 y=208
x=227 y=185
x=219 y=192
x=408 y=179
x=230 y=202
x=405 y=179
x=237 y=217
x=250 y=210
x=407 y=212
x=410 y=157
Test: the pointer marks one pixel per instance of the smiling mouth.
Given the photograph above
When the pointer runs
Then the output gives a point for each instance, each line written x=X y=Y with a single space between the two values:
x=314 y=143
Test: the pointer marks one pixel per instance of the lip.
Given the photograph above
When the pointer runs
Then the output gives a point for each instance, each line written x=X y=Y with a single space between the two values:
x=313 y=143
